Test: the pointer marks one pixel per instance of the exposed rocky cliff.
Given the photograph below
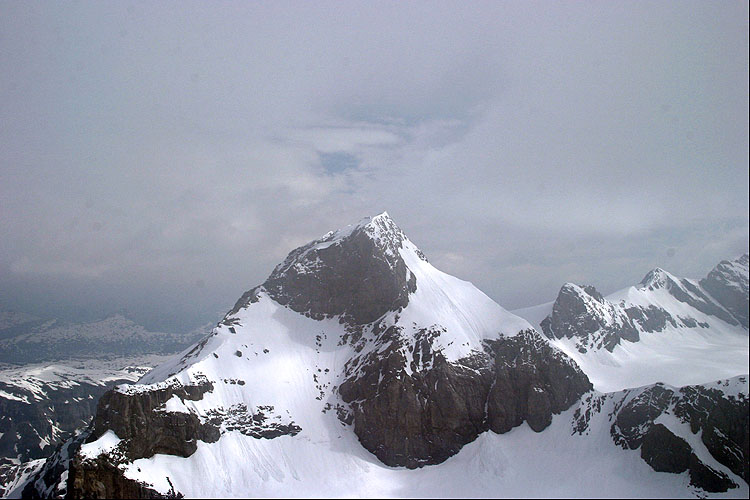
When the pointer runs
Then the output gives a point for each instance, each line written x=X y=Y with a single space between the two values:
x=412 y=417
x=701 y=430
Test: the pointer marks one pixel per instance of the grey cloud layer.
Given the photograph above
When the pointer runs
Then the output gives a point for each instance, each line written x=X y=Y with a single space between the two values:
x=163 y=157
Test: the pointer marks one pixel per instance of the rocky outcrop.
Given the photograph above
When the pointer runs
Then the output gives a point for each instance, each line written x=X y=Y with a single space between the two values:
x=582 y=313
x=144 y=429
x=664 y=451
x=719 y=417
x=359 y=277
x=414 y=418
x=67 y=475
x=101 y=478
x=146 y=432
x=728 y=284
x=409 y=417
x=533 y=381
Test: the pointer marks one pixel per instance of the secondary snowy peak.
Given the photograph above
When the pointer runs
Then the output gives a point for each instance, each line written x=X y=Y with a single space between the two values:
x=664 y=329
x=728 y=284
x=583 y=314
x=686 y=291
x=659 y=278
x=659 y=302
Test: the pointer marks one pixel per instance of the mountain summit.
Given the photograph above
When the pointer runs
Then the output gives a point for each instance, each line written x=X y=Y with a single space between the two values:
x=354 y=341
x=359 y=369
x=357 y=273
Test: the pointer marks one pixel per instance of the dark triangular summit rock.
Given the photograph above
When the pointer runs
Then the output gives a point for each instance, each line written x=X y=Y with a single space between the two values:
x=356 y=273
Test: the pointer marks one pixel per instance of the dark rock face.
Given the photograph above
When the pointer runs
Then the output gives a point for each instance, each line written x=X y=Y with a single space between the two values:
x=419 y=418
x=728 y=284
x=664 y=451
x=146 y=432
x=582 y=313
x=708 y=478
x=428 y=415
x=722 y=420
x=360 y=277
x=532 y=382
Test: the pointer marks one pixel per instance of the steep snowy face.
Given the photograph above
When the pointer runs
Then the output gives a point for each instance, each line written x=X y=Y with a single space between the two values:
x=728 y=284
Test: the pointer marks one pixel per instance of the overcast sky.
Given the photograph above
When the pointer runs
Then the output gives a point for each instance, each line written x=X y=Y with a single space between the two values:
x=162 y=157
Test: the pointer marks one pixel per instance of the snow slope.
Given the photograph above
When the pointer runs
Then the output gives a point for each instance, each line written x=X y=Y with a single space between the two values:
x=681 y=354
x=268 y=367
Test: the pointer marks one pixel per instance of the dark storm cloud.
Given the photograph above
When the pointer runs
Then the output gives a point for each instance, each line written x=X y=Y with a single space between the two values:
x=149 y=148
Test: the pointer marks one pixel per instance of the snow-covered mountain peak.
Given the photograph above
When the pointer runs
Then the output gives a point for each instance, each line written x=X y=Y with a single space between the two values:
x=658 y=278
x=583 y=291
x=357 y=273
x=728 y=284
x=354 y=329
x=385 y=241
x=733 y=272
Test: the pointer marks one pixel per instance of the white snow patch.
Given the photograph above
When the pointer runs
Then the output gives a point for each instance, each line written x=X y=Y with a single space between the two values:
x=106 y=443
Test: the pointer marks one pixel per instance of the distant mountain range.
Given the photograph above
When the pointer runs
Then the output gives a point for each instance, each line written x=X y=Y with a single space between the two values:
x=27 y=339
x=55 y=373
